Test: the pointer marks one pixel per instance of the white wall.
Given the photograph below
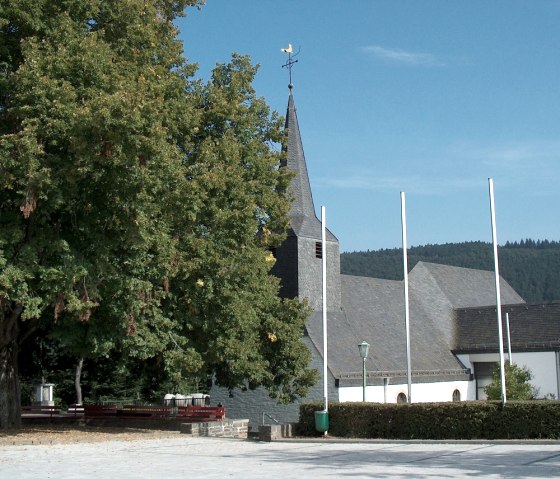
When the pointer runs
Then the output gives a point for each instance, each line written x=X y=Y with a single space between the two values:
x=421 y=392
x=543 y=367
x=542 y=364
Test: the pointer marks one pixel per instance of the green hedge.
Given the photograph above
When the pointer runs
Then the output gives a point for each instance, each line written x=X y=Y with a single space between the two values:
x=454 y=420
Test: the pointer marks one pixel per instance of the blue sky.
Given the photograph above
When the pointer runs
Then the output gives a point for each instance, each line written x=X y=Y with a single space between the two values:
x=427 y=97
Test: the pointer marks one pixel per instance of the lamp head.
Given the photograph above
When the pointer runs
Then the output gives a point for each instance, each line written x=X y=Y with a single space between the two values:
x=363 y=347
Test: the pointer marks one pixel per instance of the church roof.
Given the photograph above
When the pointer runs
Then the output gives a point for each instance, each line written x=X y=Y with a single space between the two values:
x=303 y=219
x=533 y=327
x=442 y=288
x=373 y=311
x=462 y=287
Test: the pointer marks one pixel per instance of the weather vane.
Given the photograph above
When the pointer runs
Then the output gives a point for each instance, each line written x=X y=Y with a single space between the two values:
x=290 y=63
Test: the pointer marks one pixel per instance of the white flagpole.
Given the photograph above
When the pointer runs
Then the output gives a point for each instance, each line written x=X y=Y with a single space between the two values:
x=406 y=305
x=498 y=296
x=509 y=339
x=325 y=343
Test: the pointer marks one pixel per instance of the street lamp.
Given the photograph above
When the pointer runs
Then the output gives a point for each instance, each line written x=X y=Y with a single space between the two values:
x=363 y=348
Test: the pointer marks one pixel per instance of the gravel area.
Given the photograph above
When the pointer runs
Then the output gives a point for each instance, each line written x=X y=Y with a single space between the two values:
x=131 y=454
x=71 y=434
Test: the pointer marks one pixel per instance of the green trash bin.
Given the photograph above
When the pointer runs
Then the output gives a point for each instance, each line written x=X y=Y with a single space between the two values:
x=322 y=421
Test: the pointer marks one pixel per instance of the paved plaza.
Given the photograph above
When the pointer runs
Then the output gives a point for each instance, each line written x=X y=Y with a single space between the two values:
x=206 y=458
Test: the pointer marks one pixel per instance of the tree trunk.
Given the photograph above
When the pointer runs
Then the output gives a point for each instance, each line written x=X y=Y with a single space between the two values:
x=77 y=380
x=10 y=394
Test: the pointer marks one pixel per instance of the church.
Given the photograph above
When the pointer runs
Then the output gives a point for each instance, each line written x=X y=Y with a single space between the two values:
x=453 y=325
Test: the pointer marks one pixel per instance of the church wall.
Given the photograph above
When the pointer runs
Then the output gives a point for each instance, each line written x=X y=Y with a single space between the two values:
x=334 y=301
x=543 y=364
x=311 y=273
x=286 y=267
x=421 y=392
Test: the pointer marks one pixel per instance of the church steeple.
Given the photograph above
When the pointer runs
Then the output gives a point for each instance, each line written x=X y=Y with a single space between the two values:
x=299 y=264
x=302 y=204
x=303 y=216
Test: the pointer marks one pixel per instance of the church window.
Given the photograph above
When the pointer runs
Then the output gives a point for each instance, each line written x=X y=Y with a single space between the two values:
x=318 y=249
x=456 y=395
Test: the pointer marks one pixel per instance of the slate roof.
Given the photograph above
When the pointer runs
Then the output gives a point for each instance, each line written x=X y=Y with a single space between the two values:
x=304 y=221
x=465 y=287
x=373 y=310
x=533 y=327
x=441 y=288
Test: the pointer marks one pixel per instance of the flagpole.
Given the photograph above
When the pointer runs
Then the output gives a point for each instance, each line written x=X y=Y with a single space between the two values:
x=325 y=342
x=406 y=305
x=509 y=339
x=498 y=295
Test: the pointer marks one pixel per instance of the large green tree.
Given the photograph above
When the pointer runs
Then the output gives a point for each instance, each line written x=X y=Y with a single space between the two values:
x=136 y=204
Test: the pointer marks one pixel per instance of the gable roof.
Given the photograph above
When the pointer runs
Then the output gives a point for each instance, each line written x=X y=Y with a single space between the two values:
x=373 y=310
x=464 y=287
x=441 y=288
x=533 y=327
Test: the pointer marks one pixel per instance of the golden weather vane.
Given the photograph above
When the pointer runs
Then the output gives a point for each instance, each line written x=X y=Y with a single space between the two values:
x=290 y=63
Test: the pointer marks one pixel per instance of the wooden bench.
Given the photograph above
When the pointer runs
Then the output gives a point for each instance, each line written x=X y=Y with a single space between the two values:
x=180 y=413
x=146 y=412
x=49 y=411
x=100 y=410
x=200 y=413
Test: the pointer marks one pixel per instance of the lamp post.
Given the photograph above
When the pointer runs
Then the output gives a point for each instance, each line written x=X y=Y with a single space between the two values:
x=363 y=347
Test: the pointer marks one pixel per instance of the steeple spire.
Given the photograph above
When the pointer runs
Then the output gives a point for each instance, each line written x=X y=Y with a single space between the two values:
x=302 y=205
x=303 y=217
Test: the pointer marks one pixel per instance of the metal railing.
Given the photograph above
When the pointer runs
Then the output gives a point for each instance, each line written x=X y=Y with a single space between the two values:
x=265 y=414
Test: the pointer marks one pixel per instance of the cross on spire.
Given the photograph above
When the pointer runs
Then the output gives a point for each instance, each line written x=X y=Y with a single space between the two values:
x=290 y=62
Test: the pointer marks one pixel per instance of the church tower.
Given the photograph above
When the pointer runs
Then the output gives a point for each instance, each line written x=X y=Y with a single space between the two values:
x=299 y=258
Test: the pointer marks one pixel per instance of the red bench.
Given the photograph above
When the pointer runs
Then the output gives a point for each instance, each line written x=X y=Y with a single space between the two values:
x=200 y=413
x=146 y=412
x=100 y=410
x=49 y=411
x=180 y=413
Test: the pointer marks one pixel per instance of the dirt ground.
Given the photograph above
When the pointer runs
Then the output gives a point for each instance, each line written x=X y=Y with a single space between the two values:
x=69 y=434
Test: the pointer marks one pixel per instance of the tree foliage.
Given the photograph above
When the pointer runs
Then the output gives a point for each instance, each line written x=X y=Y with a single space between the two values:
x=530 y=267
x=518 y=385
x=137 y=205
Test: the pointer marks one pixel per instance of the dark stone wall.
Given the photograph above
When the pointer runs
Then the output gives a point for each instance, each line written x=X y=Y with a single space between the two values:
x=251 y=404
x=311 y=275
x=286 y=267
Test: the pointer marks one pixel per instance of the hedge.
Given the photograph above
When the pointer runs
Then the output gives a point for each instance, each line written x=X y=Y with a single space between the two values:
x=453 y=420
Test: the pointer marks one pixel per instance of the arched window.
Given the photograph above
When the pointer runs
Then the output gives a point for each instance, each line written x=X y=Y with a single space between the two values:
x=401 y=398
x=456 y=395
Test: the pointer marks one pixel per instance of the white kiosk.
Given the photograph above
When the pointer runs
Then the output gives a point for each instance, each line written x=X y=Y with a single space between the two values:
x=44 y=394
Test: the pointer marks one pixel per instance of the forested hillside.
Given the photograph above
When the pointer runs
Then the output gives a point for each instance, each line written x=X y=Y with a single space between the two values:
x=531 y=267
